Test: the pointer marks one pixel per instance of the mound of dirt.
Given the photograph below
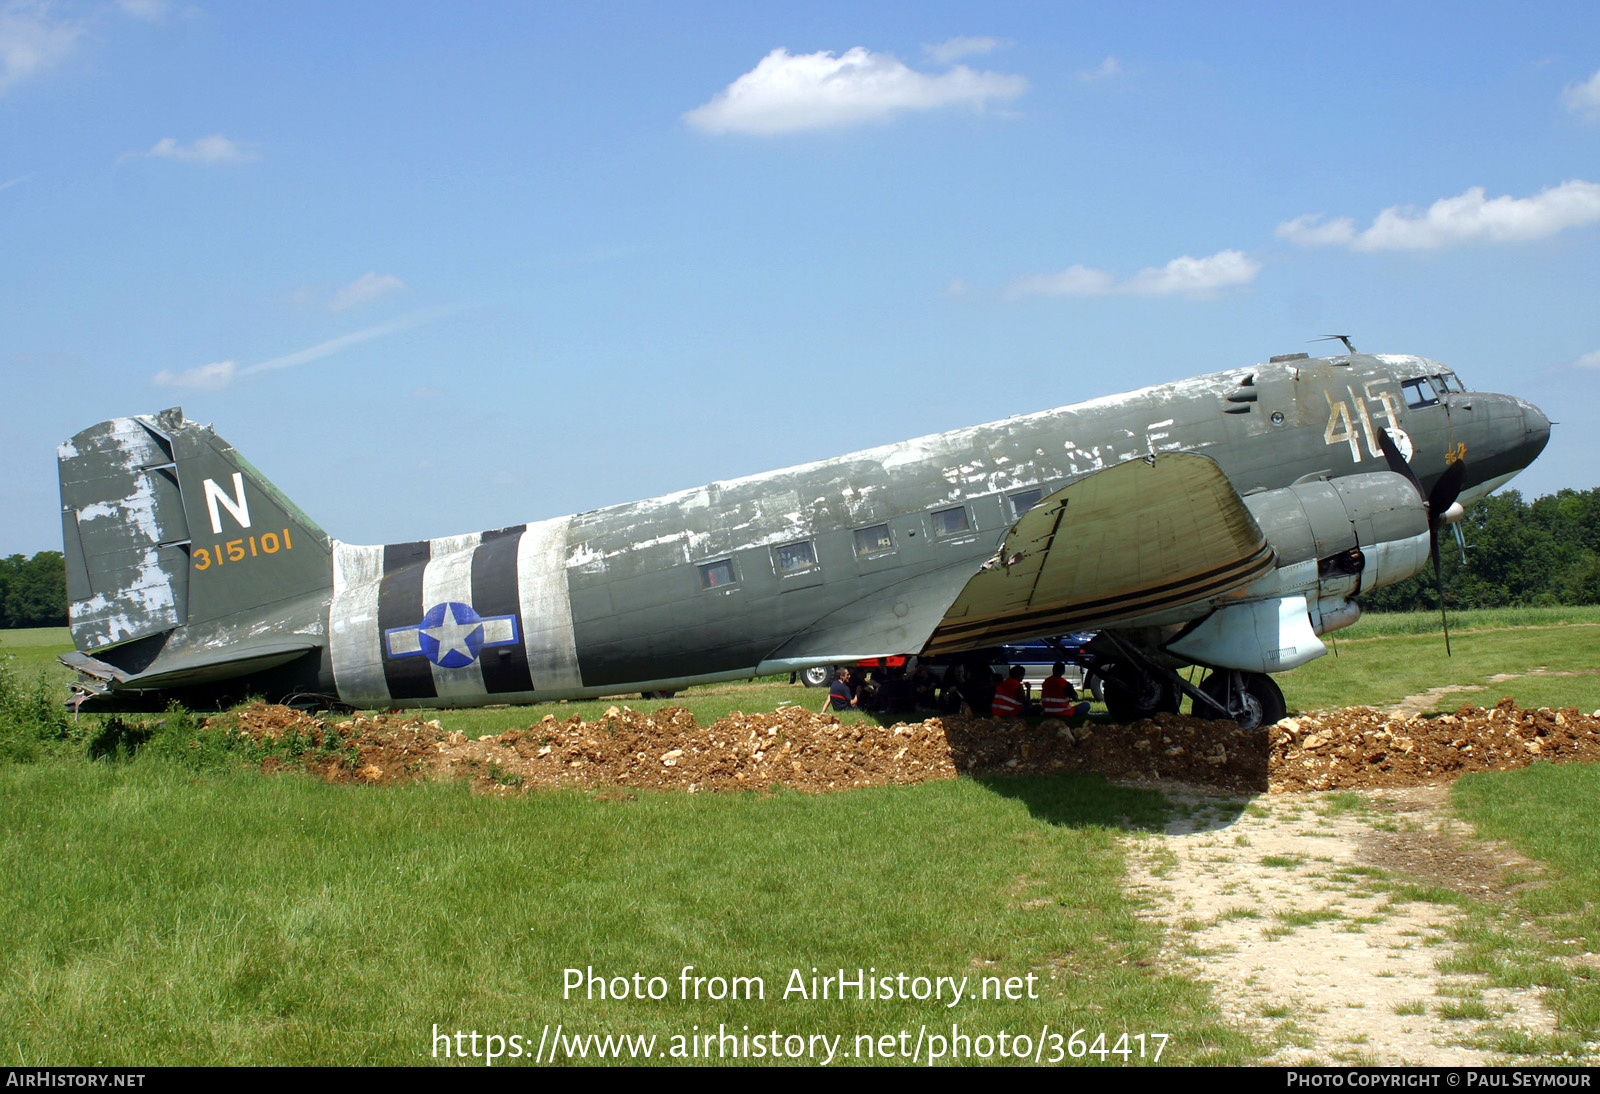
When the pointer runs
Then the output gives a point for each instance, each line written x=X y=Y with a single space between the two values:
x=1361 y=748
x=797 y=748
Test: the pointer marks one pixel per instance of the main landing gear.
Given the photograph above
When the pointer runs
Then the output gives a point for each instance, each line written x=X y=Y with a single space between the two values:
x=1133 y=696
x=1253 y=699
x=1137 y=687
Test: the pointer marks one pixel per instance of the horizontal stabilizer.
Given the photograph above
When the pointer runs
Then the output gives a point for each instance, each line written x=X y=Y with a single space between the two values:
x=183 y=670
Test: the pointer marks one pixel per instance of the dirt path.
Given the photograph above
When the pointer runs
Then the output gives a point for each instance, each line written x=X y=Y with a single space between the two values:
x=1427 y=700
x=1287 y=908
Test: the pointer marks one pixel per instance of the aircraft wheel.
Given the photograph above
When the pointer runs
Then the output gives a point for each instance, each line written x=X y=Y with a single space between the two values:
x=1149 y=696
x=1256 y=701
x=1096 y=687
x=657 y=694
x=817 y=676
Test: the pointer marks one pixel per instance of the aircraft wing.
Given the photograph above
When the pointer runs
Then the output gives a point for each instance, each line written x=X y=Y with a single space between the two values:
x=1142 y=537
x=897 y=619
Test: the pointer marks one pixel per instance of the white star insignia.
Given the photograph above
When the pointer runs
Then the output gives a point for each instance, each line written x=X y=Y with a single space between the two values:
x=452 y=635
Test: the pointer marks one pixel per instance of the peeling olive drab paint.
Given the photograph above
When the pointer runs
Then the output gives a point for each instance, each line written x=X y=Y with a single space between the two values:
x=180 y=572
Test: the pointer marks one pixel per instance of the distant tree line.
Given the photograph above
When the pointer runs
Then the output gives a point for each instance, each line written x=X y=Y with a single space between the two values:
x=1519 y=554
x=33 y=591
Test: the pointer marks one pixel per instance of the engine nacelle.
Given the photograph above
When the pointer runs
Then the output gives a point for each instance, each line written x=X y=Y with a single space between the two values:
x=1334 y=540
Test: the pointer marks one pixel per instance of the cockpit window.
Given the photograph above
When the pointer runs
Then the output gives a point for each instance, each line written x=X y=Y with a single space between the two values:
x=1449 y=381
x=1419 y=392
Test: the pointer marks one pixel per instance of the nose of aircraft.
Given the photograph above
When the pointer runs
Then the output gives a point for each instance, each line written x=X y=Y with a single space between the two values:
x=1500 y=442
x=1536 y=430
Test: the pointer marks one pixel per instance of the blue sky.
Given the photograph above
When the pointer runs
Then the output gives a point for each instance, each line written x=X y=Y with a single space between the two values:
x=436 y=268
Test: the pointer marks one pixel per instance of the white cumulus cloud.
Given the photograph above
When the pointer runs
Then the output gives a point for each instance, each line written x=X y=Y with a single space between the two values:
x=32 y=38
x=1589 y=360
x=1183 y=276
x=788 y=92
x=365 y=289
x=207 y=150
x=1584 y=98
x=1466 y=218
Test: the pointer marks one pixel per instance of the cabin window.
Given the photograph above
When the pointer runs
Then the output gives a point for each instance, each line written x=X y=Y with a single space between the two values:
x=714 y=575
x=951 y=522
x=1419 y=393
x=873 y=541
x=1021 y=503
x=796 y=558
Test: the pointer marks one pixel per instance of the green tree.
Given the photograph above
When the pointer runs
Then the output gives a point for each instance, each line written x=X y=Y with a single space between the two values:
x=1519 y=553
x=33 y=591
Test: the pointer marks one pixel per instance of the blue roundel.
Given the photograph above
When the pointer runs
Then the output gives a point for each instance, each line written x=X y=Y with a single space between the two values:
x=451 y=635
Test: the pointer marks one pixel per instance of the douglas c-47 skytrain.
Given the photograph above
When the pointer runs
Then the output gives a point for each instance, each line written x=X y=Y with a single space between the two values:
x=1224 y=521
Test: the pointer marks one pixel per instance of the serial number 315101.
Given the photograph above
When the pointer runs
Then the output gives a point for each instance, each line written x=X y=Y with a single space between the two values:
x=239 y=550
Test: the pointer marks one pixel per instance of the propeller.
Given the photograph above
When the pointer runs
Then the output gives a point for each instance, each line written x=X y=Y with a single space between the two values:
x=1439 y=501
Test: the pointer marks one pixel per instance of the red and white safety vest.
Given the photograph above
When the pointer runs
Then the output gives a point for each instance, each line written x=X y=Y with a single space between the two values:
x=1007 y=698
x=1053 y=694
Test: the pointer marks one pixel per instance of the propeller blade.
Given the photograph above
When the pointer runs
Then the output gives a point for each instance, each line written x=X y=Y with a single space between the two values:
x=1397 y=462
x=1438 y=582
x=1446 y=490
x=1441 y=498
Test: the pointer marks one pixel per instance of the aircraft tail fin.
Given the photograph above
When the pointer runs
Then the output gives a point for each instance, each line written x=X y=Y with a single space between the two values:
x=165 y=526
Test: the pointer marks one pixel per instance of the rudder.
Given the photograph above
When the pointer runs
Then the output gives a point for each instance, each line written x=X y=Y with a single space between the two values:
x=170 y=532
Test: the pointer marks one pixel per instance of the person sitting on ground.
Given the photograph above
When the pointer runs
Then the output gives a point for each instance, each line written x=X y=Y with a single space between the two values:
x=1060 y=698
x=978 y=688
x=1010 y=695
x=869 y=696
x=923 y=688
x=952 y=695
x=840 y=697
x=897 y=691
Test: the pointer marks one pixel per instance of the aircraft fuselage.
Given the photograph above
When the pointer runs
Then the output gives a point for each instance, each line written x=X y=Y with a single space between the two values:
x=841 y=558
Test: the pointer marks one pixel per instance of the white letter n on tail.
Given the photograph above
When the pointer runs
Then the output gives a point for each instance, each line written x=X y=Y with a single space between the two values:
x=235 y=505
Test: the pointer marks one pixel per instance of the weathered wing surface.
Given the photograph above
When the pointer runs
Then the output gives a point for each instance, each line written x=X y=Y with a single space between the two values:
x=1142 y=537
x=894 y=620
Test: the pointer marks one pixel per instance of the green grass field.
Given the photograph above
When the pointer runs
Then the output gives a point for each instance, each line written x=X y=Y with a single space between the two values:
x=166 y=916
x=169 y=913
x=1383 y=659
x=1552 y=815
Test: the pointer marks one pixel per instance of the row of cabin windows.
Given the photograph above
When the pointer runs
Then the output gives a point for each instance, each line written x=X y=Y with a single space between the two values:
x=797 y=558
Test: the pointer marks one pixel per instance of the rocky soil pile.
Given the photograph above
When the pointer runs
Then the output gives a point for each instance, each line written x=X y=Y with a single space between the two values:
x=802 y=750
x=1360 y=747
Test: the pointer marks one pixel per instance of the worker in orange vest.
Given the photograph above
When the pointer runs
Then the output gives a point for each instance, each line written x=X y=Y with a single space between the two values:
x=1010 y=694
x=1059 y=696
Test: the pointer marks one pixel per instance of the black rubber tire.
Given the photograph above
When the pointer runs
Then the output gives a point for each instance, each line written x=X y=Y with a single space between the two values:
x=1126 y=706
x=1094 y=686
x=1260 y=704
x=657 y=694
x=817 y=676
